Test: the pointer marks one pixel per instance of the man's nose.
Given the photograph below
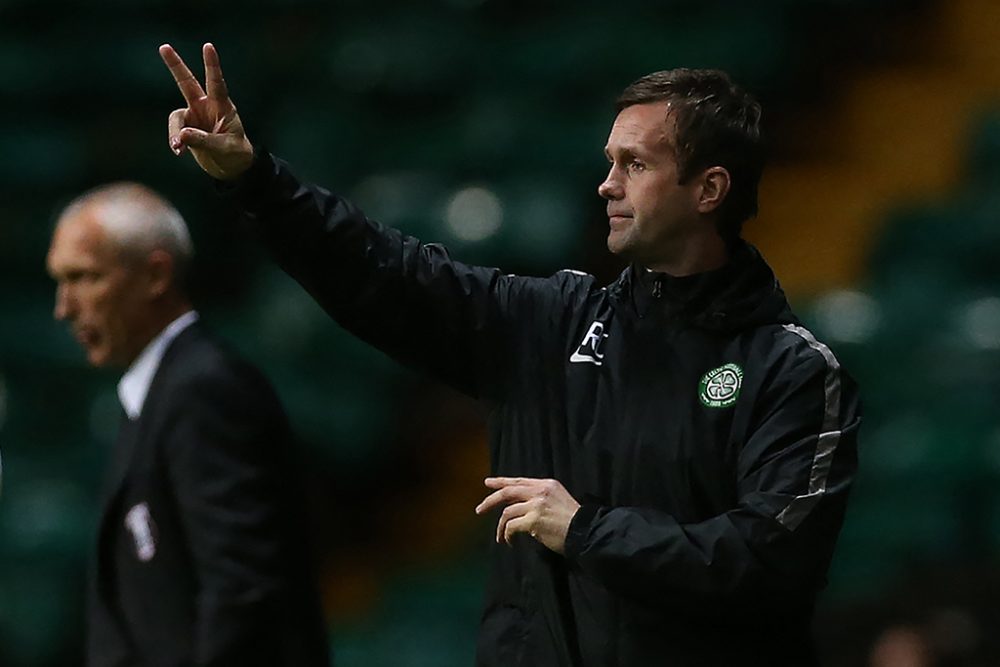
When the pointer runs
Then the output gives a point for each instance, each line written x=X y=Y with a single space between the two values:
x=611 y=188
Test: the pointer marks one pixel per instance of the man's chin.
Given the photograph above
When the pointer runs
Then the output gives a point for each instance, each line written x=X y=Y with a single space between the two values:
x=98 y=358
x=618 y=244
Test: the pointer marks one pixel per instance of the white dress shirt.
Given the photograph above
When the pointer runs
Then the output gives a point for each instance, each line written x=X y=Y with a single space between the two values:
x=134 y=385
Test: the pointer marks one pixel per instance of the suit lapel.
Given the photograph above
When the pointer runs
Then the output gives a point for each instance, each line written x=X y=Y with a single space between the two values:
x=121 y=454
x=133 y=435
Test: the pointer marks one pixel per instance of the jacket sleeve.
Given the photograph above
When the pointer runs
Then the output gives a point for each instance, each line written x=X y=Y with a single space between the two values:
x=794 y=473
x=407 y=298
x=224 y=459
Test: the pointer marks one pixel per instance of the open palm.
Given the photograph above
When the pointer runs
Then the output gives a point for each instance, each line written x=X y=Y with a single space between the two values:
x=209 y=126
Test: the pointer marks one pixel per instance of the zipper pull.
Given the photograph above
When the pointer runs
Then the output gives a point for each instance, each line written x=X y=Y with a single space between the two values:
x=658 y=288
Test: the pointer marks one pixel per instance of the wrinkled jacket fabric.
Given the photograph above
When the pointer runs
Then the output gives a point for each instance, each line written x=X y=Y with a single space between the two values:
x=709 y=437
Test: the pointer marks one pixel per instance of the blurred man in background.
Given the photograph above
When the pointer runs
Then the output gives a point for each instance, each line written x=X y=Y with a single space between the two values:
x=673 y=451
x=201 y=552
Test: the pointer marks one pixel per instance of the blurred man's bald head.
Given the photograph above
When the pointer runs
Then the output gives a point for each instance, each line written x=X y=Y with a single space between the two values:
x=137 y=220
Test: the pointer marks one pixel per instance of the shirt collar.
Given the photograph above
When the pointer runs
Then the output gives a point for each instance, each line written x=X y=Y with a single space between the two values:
x=134 y=385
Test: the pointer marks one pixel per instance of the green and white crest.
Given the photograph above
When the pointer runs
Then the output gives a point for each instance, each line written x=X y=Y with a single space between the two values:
x=720 y=387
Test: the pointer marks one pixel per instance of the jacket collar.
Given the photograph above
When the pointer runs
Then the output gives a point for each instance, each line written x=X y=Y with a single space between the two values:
x=134 y=384
x=742 y=293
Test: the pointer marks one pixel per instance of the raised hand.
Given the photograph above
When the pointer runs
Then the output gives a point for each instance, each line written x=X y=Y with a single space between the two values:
x=209 y=126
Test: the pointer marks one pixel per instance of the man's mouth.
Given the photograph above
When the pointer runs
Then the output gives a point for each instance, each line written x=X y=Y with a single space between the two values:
x=86 y=337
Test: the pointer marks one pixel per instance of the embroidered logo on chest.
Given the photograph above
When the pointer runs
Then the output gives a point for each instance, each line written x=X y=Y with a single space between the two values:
x=720 y=387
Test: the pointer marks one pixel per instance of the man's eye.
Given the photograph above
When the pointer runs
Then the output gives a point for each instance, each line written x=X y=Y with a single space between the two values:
x=636 y=165
x=87 y=277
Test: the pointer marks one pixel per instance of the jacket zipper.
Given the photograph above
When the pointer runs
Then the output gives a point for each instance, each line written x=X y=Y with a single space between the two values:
x=657 y=288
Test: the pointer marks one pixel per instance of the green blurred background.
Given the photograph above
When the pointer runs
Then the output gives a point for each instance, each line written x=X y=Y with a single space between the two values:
x=480 y=124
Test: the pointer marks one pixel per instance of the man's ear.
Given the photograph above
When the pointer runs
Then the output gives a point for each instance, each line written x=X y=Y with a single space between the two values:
x=160 y=265
x=715 y=184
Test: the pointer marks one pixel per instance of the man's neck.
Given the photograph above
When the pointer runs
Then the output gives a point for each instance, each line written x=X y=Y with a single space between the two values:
x=700 y=254
x=168 y=314
x=160 y=319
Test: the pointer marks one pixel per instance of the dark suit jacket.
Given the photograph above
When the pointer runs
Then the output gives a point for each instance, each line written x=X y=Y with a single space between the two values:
x=201 y=556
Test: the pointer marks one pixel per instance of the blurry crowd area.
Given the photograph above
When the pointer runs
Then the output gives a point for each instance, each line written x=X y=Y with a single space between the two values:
x=480 y=124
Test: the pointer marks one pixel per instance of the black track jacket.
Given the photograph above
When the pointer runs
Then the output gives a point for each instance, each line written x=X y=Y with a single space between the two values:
x=710 y=438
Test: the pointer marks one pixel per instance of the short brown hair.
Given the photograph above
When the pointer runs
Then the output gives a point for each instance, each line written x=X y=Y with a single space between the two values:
x=717 y=124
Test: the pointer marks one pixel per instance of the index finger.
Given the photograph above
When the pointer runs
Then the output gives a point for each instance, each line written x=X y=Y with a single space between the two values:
x=189 y=86
x=214 y=83
x=500 y=482
x=504 y=496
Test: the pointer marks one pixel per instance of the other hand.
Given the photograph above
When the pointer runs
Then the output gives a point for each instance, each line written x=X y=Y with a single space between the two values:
x=542 y=508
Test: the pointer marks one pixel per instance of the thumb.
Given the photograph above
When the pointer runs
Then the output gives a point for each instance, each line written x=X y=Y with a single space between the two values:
x=195 y=138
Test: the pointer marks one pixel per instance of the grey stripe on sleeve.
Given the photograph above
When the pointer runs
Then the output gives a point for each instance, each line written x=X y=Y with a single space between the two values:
x=826 y=443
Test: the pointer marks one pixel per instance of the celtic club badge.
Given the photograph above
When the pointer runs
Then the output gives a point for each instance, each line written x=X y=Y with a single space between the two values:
x=720 y=387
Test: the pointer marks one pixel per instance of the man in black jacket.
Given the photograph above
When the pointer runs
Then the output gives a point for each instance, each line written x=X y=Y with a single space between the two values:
x=672 y=453
x=201 y=556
